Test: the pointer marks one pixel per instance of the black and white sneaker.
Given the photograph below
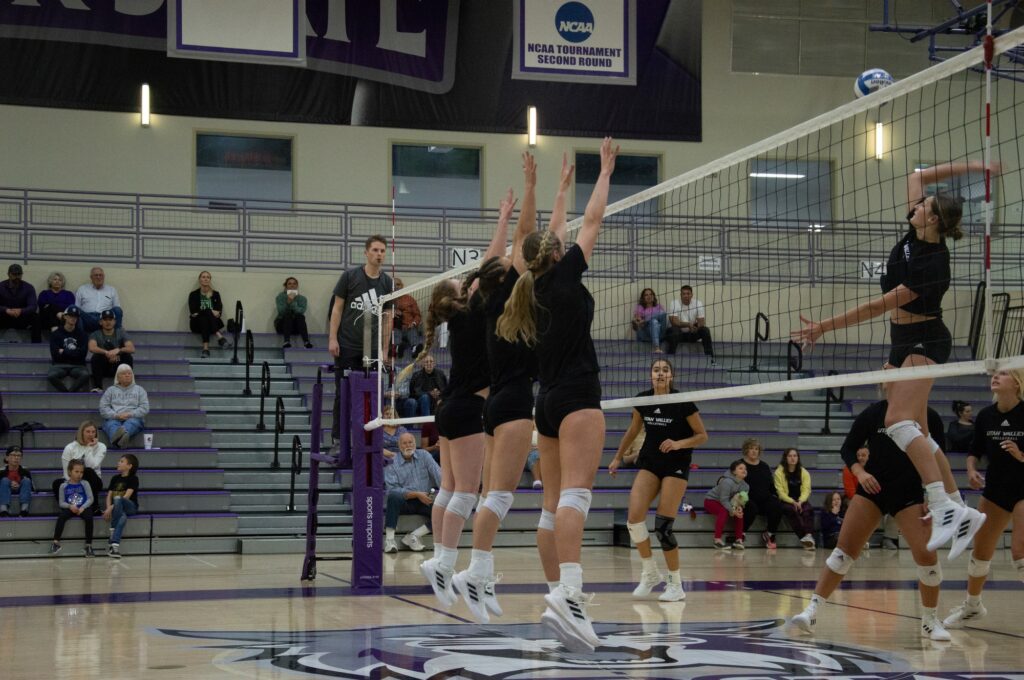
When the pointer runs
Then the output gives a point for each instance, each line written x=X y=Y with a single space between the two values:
x=472 y=589
x=946 y=519
x=566 y=616
x=965 y=530
x=89 y=552
x=440 y=580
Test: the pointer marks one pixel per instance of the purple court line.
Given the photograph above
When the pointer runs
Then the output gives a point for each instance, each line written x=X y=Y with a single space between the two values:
x=406 y=601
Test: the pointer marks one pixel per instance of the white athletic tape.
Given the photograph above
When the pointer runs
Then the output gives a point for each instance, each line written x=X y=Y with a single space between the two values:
x=546 y=521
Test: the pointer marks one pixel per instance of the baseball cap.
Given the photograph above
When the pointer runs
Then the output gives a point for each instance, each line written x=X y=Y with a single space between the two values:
x=73 y=310
x=107 y=314
x=14 y=269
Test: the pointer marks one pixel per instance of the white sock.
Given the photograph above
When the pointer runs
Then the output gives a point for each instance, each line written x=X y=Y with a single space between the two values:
x=571 y=575
x=448 y=557
x=421 y=530
x=928 y=612
x=390 y=533
x=437 y=550
x=936 y=495
x=973 y=600
x=648 y=565
x=552 y=585
x=816 y=601
x=481 y=563
x=673 y=578
x=956 y=497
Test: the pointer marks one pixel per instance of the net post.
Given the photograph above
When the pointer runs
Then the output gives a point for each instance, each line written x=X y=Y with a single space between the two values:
x=367 y=486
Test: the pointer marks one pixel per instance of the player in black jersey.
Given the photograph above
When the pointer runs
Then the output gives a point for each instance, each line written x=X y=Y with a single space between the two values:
x=459 y=416
x=552 y=310
x=887 y=484
x=917 y=276
x=999 y=437
x=672 y=432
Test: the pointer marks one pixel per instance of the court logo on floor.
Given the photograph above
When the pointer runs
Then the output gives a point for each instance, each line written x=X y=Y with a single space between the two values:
x=753 y=649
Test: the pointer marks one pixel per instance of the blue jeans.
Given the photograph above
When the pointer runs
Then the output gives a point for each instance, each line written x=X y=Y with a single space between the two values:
x=24 y=493
x=406 y=407
x=652 y=330
x=119 y=514
x=132 y=426
x=398 y=505
x=90 y=321
x=424 y=405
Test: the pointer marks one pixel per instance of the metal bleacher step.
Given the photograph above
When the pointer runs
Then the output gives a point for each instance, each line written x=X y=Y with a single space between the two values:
x=158 y=545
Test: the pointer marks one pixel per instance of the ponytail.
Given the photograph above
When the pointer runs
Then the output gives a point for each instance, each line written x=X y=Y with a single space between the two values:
x=445 y=302
x=519 y=320
x=949 y=210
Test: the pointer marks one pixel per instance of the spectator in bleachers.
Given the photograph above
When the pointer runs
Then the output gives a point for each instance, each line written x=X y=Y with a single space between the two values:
x=961 y=431
x=122 y=500
x=793 y=486
x=764 y=499
x=832 y=511
x=533 y=467
x=75 y=498
x=16 y=481
x=408 y=333
x=87 y=448
x=291 y=314
x=729 y=498
x=409 y=481
x=426 y=386
x=649 y=319
x=687 y=324
x=109 y=347
x=97 y=297
x=18 y=304
x=849 y=479
x=392 y=433
x=398 y=390
x=124 y=407
x=204 y=312
x=53 y=301
x=68 y=349
x=430 y=441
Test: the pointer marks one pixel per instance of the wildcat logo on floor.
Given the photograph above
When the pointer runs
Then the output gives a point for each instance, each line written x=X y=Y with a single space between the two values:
x=753 y=649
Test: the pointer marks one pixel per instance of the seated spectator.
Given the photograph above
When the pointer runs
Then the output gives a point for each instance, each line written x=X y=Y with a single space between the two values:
x=764 y=499
x=68 y=349
x=204 y=312
x=533 y=467
x=649 y=319
x=391 y=434
x=961 y=431
x=18 y=305
x=53 y=301
x=97 y=297
x=426 y=386
x=87 y=448
x=849 y=479
x=408 y=332
x=75 y=499
x=409 y=482
x=430 y=441
x=124 y=406
x=16 y=481
x=727 y=499
x=396 y=390
x=109 y=347
x=291 y=314
x=832 y=512
x=793 y=486
x=122 y=500
x=687 y=324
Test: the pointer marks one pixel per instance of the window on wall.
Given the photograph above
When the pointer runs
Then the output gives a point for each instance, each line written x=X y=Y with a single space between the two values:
x=795 y=194
x=233 y=167
x=434 y=176
x=632 y=174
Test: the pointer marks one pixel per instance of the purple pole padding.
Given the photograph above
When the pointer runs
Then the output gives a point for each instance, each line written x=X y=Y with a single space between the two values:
x=367 y=486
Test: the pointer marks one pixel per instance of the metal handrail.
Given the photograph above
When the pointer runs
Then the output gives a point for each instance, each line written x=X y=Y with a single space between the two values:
x=794 y=363
x=264 y=392
x=759 y=337
x=832 y=398
x=296 y=470
x=239 y=317
x=278 y=430
x=250 y=357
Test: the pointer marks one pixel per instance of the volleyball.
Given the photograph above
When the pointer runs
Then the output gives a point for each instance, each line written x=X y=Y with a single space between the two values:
x=872 y=80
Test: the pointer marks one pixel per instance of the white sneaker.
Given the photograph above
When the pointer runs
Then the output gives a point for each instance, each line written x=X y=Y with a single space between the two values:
x=965 y=530
x=963 y=614
x=946 y=519
x=805 y=621
x=389 y=545
x=490 y=599
x=807 y=542
x=649 y=580
x=472 y=591
x=673 y=593
x=566 y=616
x=933 y=629
x=440 y=580
x=413 y=542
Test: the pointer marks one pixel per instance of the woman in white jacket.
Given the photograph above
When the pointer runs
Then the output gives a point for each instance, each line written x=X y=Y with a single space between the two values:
x=123 y=407
x=88 y=448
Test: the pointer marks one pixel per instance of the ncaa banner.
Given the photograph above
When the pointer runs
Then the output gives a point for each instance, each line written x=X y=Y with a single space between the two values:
x=580 y=41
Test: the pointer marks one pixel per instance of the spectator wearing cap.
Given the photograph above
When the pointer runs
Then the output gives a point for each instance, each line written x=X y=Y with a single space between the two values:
x=109 y=347
x=96 y=297
x=68 y=349
x=18 y=303
x=53 y=301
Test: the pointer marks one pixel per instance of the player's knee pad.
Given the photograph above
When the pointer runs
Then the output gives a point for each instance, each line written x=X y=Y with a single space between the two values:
x=904 y=432
x=578 y=499
x=638 y=532
x=443 y=498
x=930 y=575
x=546 y=521
x=933 y=445
x=663 y=530
x=479 y=503
x=978 y=568
x=499 y=503
x=1019 y=565
x=462 y=503
x=839 y=562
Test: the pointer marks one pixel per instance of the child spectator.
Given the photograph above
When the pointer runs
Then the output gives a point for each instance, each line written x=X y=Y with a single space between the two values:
x=15 y=480
x=122 y=500
x=123 y=407
x=729 y=497
x=75 y=499
x=90 y=450
x=793 y=486
x=832 y=518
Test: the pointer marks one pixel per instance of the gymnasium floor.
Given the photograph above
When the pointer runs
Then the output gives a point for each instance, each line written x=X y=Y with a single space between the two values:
x=217 y=616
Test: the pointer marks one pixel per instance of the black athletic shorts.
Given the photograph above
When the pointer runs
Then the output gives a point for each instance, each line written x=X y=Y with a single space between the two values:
x=1004 y=493
x=460 y=416
x=928 y=338
x=897 y=494
x=554 y=403
x=512 y=401
x=663 y=465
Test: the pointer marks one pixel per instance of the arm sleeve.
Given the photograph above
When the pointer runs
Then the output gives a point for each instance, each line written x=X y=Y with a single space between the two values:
x=106 y=410
x=142 y=409
x=79 y=297
x=574 y=262
x=856 y=438
x=675 y=308
x=54 y=348
x=700 y=311
x=90 y=500
x=805 y=485
x=935 y=428
x=341 y=287
x=65 y=458
x=61 y=499
x=781 y=488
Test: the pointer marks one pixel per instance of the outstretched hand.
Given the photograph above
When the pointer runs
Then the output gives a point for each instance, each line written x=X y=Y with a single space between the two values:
x=609 y=152
x=567 y=170
x=529 y=169
x=807 y=335
x=507 y=205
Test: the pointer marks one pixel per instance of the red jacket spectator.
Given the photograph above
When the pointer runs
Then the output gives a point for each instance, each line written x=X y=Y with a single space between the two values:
x=408 y=310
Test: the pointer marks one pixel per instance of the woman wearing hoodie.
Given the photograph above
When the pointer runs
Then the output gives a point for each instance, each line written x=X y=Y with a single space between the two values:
x=728 y=497
x=123 y=407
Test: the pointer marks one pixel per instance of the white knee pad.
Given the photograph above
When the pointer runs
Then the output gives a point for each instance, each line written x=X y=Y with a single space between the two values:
x=479 y=503
x=577 y=499
x=638 y=532
x=978 y=568
x=547 y=520
x=443 y=498
x=932 y=444
x=931 y=575
x=499 y=502
x=904 y=432
x=839 y=562
x=462 y=503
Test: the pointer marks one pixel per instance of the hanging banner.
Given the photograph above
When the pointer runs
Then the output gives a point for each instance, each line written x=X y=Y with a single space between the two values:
x=254 y=31
x=581 y=41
